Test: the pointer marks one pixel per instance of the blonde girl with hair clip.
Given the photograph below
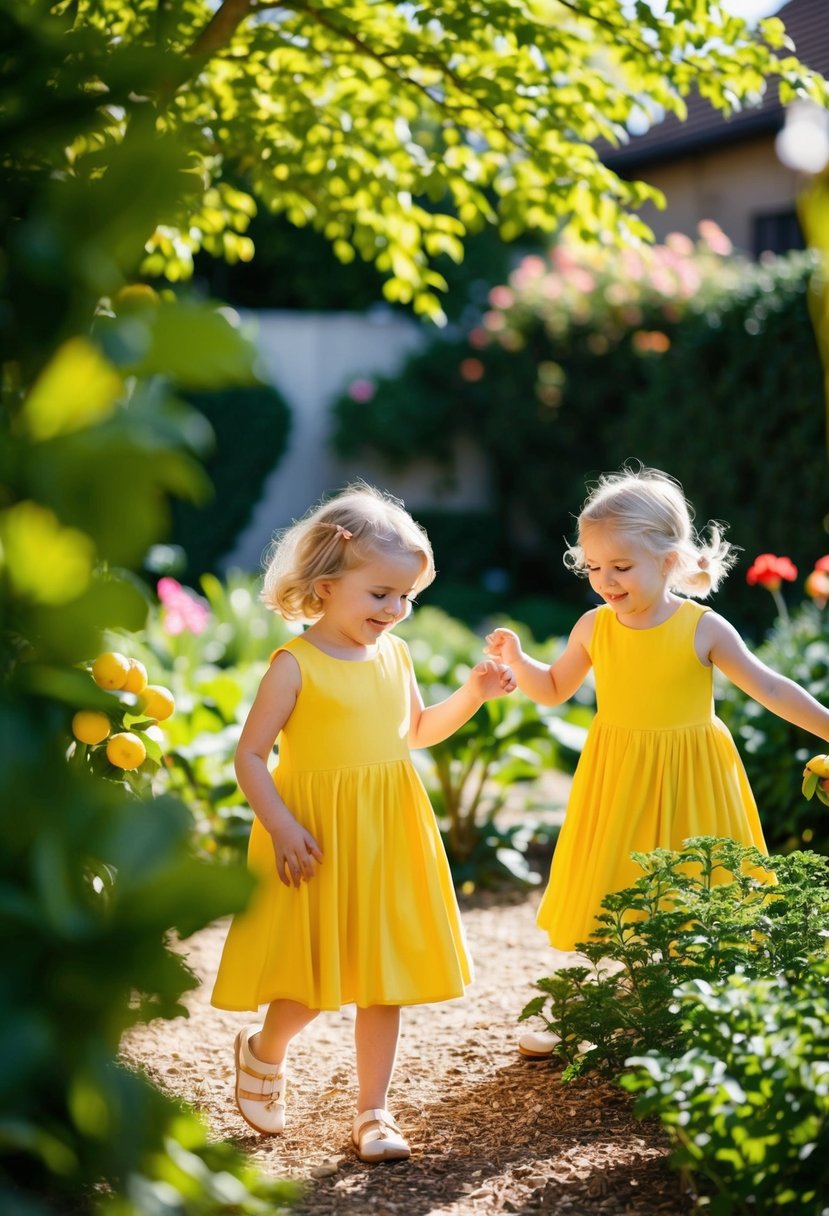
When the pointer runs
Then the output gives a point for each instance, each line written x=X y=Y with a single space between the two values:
x=354 y=902
x=657 y=766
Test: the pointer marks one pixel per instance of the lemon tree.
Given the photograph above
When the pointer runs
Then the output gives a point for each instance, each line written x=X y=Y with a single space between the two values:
x=96 y=875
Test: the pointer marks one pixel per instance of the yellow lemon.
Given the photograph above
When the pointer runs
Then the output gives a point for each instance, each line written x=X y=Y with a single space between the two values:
x=90 y=727
x=125 y=750
x=110 y=670
x=818 y=765
x=157 y=702
x=136 y=680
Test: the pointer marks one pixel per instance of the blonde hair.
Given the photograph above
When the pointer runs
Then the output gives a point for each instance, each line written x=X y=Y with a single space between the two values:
x=336 y=535
x=651 y=506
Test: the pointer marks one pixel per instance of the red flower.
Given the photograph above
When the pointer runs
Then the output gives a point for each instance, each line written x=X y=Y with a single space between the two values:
x=769 y=571
x=822 y=563
x=817 y=585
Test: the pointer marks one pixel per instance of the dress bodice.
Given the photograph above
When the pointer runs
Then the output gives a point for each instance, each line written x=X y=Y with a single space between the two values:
x=349 y=712
x=651 y=679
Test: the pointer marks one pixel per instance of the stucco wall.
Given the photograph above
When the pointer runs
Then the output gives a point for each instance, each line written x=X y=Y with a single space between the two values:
x=312 y=358
x=730 y=186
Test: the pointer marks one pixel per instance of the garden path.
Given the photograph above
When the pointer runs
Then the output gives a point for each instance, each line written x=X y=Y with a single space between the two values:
x=490 y=1132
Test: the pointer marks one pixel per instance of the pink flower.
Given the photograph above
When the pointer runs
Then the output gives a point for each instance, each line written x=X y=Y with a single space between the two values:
x=362 y=390
x=501 y=297
x=183 y=612
x=715 y=238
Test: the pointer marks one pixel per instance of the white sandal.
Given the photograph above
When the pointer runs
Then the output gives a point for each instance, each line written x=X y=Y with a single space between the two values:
x=538 y=1044
x=377 y=1137
x=260 y=1087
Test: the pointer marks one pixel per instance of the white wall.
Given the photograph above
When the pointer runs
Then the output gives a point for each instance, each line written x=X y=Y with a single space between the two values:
x=312 y=358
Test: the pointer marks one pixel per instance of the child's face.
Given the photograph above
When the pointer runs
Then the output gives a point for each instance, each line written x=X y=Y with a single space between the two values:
x=625 y=573
x=370 y=599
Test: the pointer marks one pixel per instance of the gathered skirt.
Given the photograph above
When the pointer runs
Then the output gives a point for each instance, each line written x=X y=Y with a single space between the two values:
x=635 y=791
x=377 y=925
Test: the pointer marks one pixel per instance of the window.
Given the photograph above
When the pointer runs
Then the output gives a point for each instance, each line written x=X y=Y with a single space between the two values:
x=776 y=232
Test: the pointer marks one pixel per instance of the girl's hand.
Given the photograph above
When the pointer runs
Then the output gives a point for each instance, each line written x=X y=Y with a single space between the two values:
x=504 y=646
x=296 y=852
x=490 y=679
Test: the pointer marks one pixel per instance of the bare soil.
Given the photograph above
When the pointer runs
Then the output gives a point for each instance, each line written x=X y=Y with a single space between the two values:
x=490 y=1132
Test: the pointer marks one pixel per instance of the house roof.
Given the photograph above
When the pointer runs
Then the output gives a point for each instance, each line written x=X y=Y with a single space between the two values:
x=807 y=24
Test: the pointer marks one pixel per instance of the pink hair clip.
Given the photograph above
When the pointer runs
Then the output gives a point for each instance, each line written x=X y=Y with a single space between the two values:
x=343 y=532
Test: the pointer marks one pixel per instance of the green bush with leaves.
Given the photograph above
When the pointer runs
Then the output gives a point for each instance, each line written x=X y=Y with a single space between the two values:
x=704 y=912
x=251 y=425
x=746 y=1104
x=774 y=752
x=98 y=879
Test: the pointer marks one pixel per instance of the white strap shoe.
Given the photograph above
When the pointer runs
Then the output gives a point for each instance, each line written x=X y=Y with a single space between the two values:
x=538 y=1044
x=377 y=1137
x=260 y=1087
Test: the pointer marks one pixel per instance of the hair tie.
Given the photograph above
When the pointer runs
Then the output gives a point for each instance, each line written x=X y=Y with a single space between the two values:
x=702 y=562
x=343 y=532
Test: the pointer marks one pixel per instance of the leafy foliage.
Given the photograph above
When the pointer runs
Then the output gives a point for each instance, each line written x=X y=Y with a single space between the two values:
x=746 y=1105
x=701 y=913
x=98 y=880
x=465 y=117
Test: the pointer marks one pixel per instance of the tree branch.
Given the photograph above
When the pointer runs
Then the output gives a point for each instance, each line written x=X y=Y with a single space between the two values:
x=220 y=28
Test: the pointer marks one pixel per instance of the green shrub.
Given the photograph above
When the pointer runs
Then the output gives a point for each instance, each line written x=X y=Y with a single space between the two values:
x=98 y=879
x=746 y=1105
x=704 y=912
x=250 y=425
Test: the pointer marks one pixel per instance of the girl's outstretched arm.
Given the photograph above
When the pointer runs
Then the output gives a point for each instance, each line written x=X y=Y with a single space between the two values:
x=434 y=723
x=719 y=643
x=295 y=849
x=541 y=683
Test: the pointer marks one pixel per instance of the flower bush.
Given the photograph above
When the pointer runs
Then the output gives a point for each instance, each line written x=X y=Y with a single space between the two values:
x=615 y=295
x=553 y=380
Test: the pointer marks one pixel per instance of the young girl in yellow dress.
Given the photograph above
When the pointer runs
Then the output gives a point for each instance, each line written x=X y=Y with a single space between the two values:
x=657 y=766
x=355 y=900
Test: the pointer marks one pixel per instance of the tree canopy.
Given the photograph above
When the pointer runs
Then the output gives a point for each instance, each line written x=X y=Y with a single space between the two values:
x=395 y=129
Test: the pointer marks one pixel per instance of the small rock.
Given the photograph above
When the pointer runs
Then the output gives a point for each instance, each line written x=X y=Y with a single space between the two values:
x=327 y=1168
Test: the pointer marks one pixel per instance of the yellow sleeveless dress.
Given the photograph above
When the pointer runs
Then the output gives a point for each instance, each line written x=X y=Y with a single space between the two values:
x=657 y=767
x=379 y=923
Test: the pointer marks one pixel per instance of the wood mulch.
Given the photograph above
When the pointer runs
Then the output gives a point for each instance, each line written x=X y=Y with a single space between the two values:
x=490 y=1132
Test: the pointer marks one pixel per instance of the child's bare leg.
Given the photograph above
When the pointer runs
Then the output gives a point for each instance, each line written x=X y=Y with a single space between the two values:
x=283 y=1021
x=376 y=1032
x=375 y=1134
